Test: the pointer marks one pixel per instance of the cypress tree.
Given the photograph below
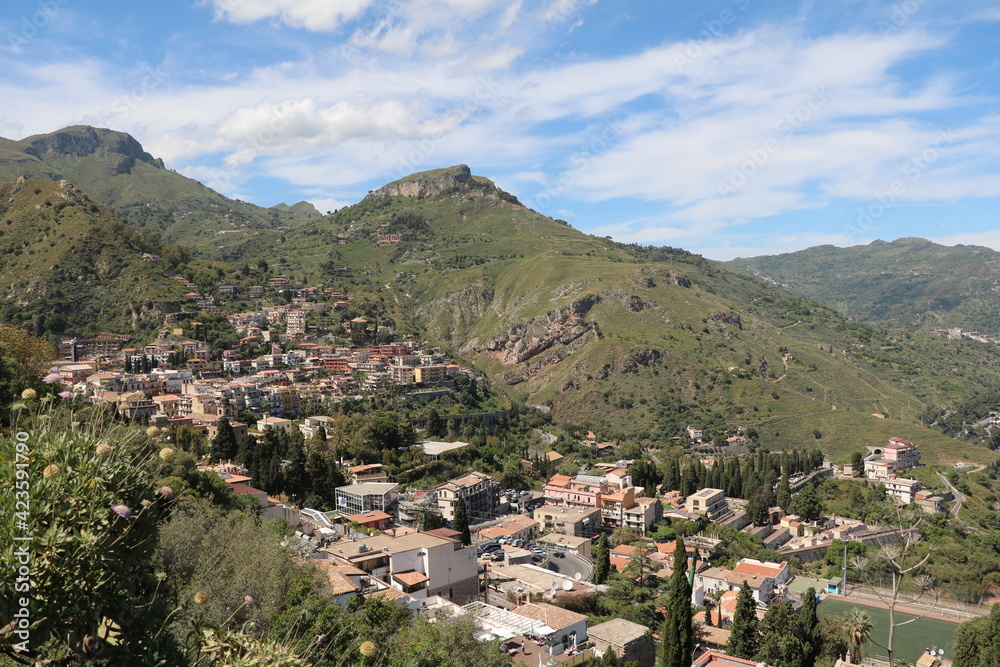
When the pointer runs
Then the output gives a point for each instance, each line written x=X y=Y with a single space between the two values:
x=224 y=445
x=745 y=638
x=783 y=496
x=757 y=510
x=602 y=560
x=678 y=631
x=809 y=622
x=461 y=522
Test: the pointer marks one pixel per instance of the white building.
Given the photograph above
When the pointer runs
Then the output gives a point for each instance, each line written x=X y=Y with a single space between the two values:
x=904 y=489
x=366 y=497
x=417 y=564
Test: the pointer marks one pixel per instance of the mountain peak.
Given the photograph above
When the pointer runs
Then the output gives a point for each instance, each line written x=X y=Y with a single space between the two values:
x=83 y=140
x=449 y=180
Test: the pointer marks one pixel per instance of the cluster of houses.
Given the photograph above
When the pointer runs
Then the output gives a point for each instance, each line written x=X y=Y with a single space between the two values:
x=884 y=465
x=365 y=550
x=280 y=385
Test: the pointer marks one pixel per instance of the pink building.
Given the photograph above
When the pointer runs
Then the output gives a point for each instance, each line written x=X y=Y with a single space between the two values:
x=903 y=453
x=579 y=491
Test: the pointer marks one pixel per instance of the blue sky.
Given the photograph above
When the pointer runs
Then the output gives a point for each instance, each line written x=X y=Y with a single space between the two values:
x=731 y=128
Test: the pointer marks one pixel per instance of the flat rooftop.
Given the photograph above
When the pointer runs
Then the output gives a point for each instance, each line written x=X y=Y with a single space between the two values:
x=369 y=488
x=436 y=448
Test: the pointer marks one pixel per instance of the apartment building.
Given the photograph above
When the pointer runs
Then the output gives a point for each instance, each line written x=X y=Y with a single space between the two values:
x=480 y=492
x=710 y=502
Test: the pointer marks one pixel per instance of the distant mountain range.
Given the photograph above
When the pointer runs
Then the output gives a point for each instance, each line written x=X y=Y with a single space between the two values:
x=638 y=341
x=909 y=283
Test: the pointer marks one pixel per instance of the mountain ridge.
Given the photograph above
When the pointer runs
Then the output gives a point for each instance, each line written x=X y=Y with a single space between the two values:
x=638 y=341
x=906 y=283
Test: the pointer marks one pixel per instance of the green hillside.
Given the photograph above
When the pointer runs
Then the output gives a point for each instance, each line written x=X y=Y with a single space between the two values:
x=113 y=169
x=633 y=342
x=69 y=265
x=909 y=283
x=652 y=338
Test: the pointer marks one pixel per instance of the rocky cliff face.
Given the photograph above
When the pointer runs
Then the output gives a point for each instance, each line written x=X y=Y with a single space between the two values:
x=427 y=184
x=443 y=181
x=118 y=148
x=525 y=340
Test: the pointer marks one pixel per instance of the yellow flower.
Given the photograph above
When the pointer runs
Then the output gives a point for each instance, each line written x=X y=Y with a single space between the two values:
x=368 y=649
x=50 y=471
x=103 y=449
x=153 y=431
x=167 y=454
x=28 y=394
x=201 y=597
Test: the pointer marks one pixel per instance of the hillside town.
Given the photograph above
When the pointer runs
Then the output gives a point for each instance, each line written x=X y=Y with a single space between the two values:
x=512 y=558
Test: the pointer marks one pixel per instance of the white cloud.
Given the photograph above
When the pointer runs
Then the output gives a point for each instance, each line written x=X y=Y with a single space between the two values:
x=314 y=15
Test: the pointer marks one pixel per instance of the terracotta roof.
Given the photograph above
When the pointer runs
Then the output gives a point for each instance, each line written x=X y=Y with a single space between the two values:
x=390 y=594
x=369 y=516
x=559 y=480
x=556 y=618
x=410 y=577
x=243 y=489
x=765 y=569
x=446 y=533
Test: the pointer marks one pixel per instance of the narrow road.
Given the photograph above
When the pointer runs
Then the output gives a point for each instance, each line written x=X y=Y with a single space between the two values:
x=959 y=498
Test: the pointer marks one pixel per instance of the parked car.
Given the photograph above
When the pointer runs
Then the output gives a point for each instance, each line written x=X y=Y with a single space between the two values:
x=490 y=546
x=498 y=555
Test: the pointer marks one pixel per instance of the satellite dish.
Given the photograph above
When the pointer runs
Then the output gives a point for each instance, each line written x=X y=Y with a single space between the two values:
x=567 y=585
x=555 y=585
x=578 y=575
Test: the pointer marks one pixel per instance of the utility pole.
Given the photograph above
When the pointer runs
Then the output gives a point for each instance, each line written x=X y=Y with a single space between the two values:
x=844 y=577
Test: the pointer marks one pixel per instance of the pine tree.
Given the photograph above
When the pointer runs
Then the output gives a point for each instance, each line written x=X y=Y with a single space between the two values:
x=224 y=445
x=435 y=426
x=296 y=477
x=744 y=639
x=602 y=560
x=678 y=631
x=461 y=522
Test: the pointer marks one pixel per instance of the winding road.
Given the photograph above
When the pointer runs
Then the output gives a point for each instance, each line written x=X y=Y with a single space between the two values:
x=959 y=498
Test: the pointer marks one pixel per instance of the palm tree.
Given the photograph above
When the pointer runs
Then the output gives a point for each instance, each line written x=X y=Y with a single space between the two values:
x=858 y=625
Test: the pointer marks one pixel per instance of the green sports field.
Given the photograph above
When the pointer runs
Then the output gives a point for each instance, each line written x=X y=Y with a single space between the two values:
x=911 y=639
